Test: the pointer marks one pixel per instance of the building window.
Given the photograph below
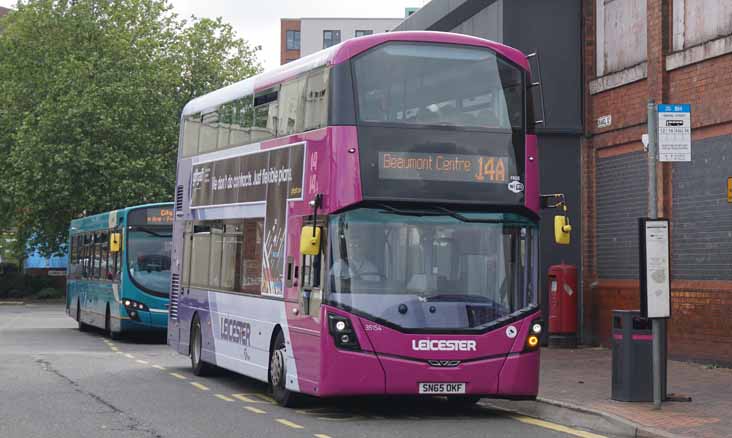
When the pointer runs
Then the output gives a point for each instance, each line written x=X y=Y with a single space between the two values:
x=293 y=40
x=360 y=33
x=620 y=35
x=331 y=38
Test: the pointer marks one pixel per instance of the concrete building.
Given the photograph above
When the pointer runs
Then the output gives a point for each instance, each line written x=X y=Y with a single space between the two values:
x=303 y=36
x=675 y=51
x=553 y=29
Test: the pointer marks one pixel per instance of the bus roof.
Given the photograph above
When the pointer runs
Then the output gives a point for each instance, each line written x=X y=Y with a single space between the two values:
x=100 y=221
x=336 y=55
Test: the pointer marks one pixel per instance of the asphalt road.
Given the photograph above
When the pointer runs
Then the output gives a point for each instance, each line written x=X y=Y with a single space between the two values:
x=58 y=382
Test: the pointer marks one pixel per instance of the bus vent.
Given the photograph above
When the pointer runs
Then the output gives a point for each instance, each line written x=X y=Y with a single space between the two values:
x=179 y=198
x=174 y=292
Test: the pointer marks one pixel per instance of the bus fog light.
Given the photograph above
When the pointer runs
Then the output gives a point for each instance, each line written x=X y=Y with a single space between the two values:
x=340 y=326
x=536 y=328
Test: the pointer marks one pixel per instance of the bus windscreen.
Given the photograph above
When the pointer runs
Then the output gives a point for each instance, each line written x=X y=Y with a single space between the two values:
x=438 y=84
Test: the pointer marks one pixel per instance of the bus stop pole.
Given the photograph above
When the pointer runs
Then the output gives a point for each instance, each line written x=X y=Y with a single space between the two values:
x=653 y=214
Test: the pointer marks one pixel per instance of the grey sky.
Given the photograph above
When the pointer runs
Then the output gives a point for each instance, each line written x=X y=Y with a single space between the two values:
x=258 y=21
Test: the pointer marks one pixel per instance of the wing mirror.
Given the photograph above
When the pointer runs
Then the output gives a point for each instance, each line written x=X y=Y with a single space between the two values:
x=310 y=240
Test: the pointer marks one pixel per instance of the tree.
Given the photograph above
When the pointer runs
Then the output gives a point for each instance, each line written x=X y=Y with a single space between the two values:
x=90 y=102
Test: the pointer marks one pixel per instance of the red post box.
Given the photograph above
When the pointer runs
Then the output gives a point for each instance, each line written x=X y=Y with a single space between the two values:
x=562 y=305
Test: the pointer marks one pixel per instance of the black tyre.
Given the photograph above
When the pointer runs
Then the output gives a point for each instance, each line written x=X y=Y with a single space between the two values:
x=278 y=374
x=82 y=327
x=108 y=326
x=200 y=368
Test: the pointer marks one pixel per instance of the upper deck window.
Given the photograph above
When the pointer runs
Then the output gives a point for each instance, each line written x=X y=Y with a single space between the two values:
x=438 y=84
x=297 y=105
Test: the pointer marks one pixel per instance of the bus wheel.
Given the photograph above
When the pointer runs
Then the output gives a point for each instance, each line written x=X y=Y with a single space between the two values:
x=200 y=368
x=278 y=373
x=108 y=326
x=82 y=327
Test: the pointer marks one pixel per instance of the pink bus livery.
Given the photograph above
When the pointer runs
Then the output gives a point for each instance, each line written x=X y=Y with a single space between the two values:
x=364 y=221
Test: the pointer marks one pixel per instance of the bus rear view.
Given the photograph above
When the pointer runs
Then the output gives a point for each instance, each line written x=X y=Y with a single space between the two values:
x=399 y=237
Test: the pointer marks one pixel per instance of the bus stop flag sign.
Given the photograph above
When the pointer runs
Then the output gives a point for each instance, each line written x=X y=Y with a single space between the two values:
x=655 y=275
x=674 y=132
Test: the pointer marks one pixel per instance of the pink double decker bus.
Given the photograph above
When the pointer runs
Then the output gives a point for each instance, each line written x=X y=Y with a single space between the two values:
x=364 y=221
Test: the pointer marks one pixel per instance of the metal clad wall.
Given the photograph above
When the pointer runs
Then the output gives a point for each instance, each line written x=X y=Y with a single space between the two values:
x=622 y=197
x=552 y=29
x=488 y=23
x=701 y=226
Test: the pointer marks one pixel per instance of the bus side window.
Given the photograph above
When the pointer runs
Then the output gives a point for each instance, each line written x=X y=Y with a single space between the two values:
x=85 y=255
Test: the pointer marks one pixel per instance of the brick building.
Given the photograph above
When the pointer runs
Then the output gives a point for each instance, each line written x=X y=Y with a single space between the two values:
x=672 y=51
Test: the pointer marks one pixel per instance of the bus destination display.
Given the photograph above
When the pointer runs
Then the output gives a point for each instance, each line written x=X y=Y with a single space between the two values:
x=159 y=216
x=443 y=167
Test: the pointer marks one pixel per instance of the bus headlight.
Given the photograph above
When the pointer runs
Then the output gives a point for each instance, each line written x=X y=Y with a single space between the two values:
x=532 y=341
x=133 y=307
x=342 y=332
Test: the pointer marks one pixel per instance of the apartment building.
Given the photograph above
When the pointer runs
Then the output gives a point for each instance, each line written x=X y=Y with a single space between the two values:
x=303 y=36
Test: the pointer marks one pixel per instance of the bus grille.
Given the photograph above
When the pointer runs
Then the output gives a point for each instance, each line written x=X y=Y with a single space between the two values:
x=179 y=198
x=174 y=292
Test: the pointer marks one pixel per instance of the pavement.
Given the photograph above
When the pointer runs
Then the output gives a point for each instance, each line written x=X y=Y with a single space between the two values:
x=580 y=380
x=58 y=382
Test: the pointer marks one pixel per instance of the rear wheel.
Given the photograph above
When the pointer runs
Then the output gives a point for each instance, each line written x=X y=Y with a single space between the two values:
x=82 y=327
x=278 y=373
x=200 y=368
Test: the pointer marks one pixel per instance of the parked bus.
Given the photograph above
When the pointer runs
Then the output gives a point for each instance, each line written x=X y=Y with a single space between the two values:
x=364 y=220
x=119 y=269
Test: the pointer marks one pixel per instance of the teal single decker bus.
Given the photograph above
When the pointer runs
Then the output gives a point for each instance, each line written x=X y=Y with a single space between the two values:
x=119 y=269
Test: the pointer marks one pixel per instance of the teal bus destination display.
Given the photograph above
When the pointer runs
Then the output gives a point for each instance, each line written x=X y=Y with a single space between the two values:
x=443 y=167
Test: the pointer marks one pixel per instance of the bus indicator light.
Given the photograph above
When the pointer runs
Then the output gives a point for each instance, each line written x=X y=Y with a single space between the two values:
x=532 y=341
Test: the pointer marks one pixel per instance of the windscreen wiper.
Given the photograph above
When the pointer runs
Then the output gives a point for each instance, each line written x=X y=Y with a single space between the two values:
x=461 y=297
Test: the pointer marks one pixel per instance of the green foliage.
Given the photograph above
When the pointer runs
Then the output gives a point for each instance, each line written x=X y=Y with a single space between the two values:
x=90 y=101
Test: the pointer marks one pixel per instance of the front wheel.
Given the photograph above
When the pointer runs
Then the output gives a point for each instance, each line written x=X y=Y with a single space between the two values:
x=108 y=326
x=278 y=374
x=200 y=368
x=82 y=327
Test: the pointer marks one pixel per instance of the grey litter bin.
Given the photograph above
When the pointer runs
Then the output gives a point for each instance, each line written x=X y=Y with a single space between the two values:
x=632 y=357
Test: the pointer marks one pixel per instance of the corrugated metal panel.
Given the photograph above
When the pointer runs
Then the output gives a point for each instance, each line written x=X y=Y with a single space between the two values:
x=701 y=229
x=622 y=198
